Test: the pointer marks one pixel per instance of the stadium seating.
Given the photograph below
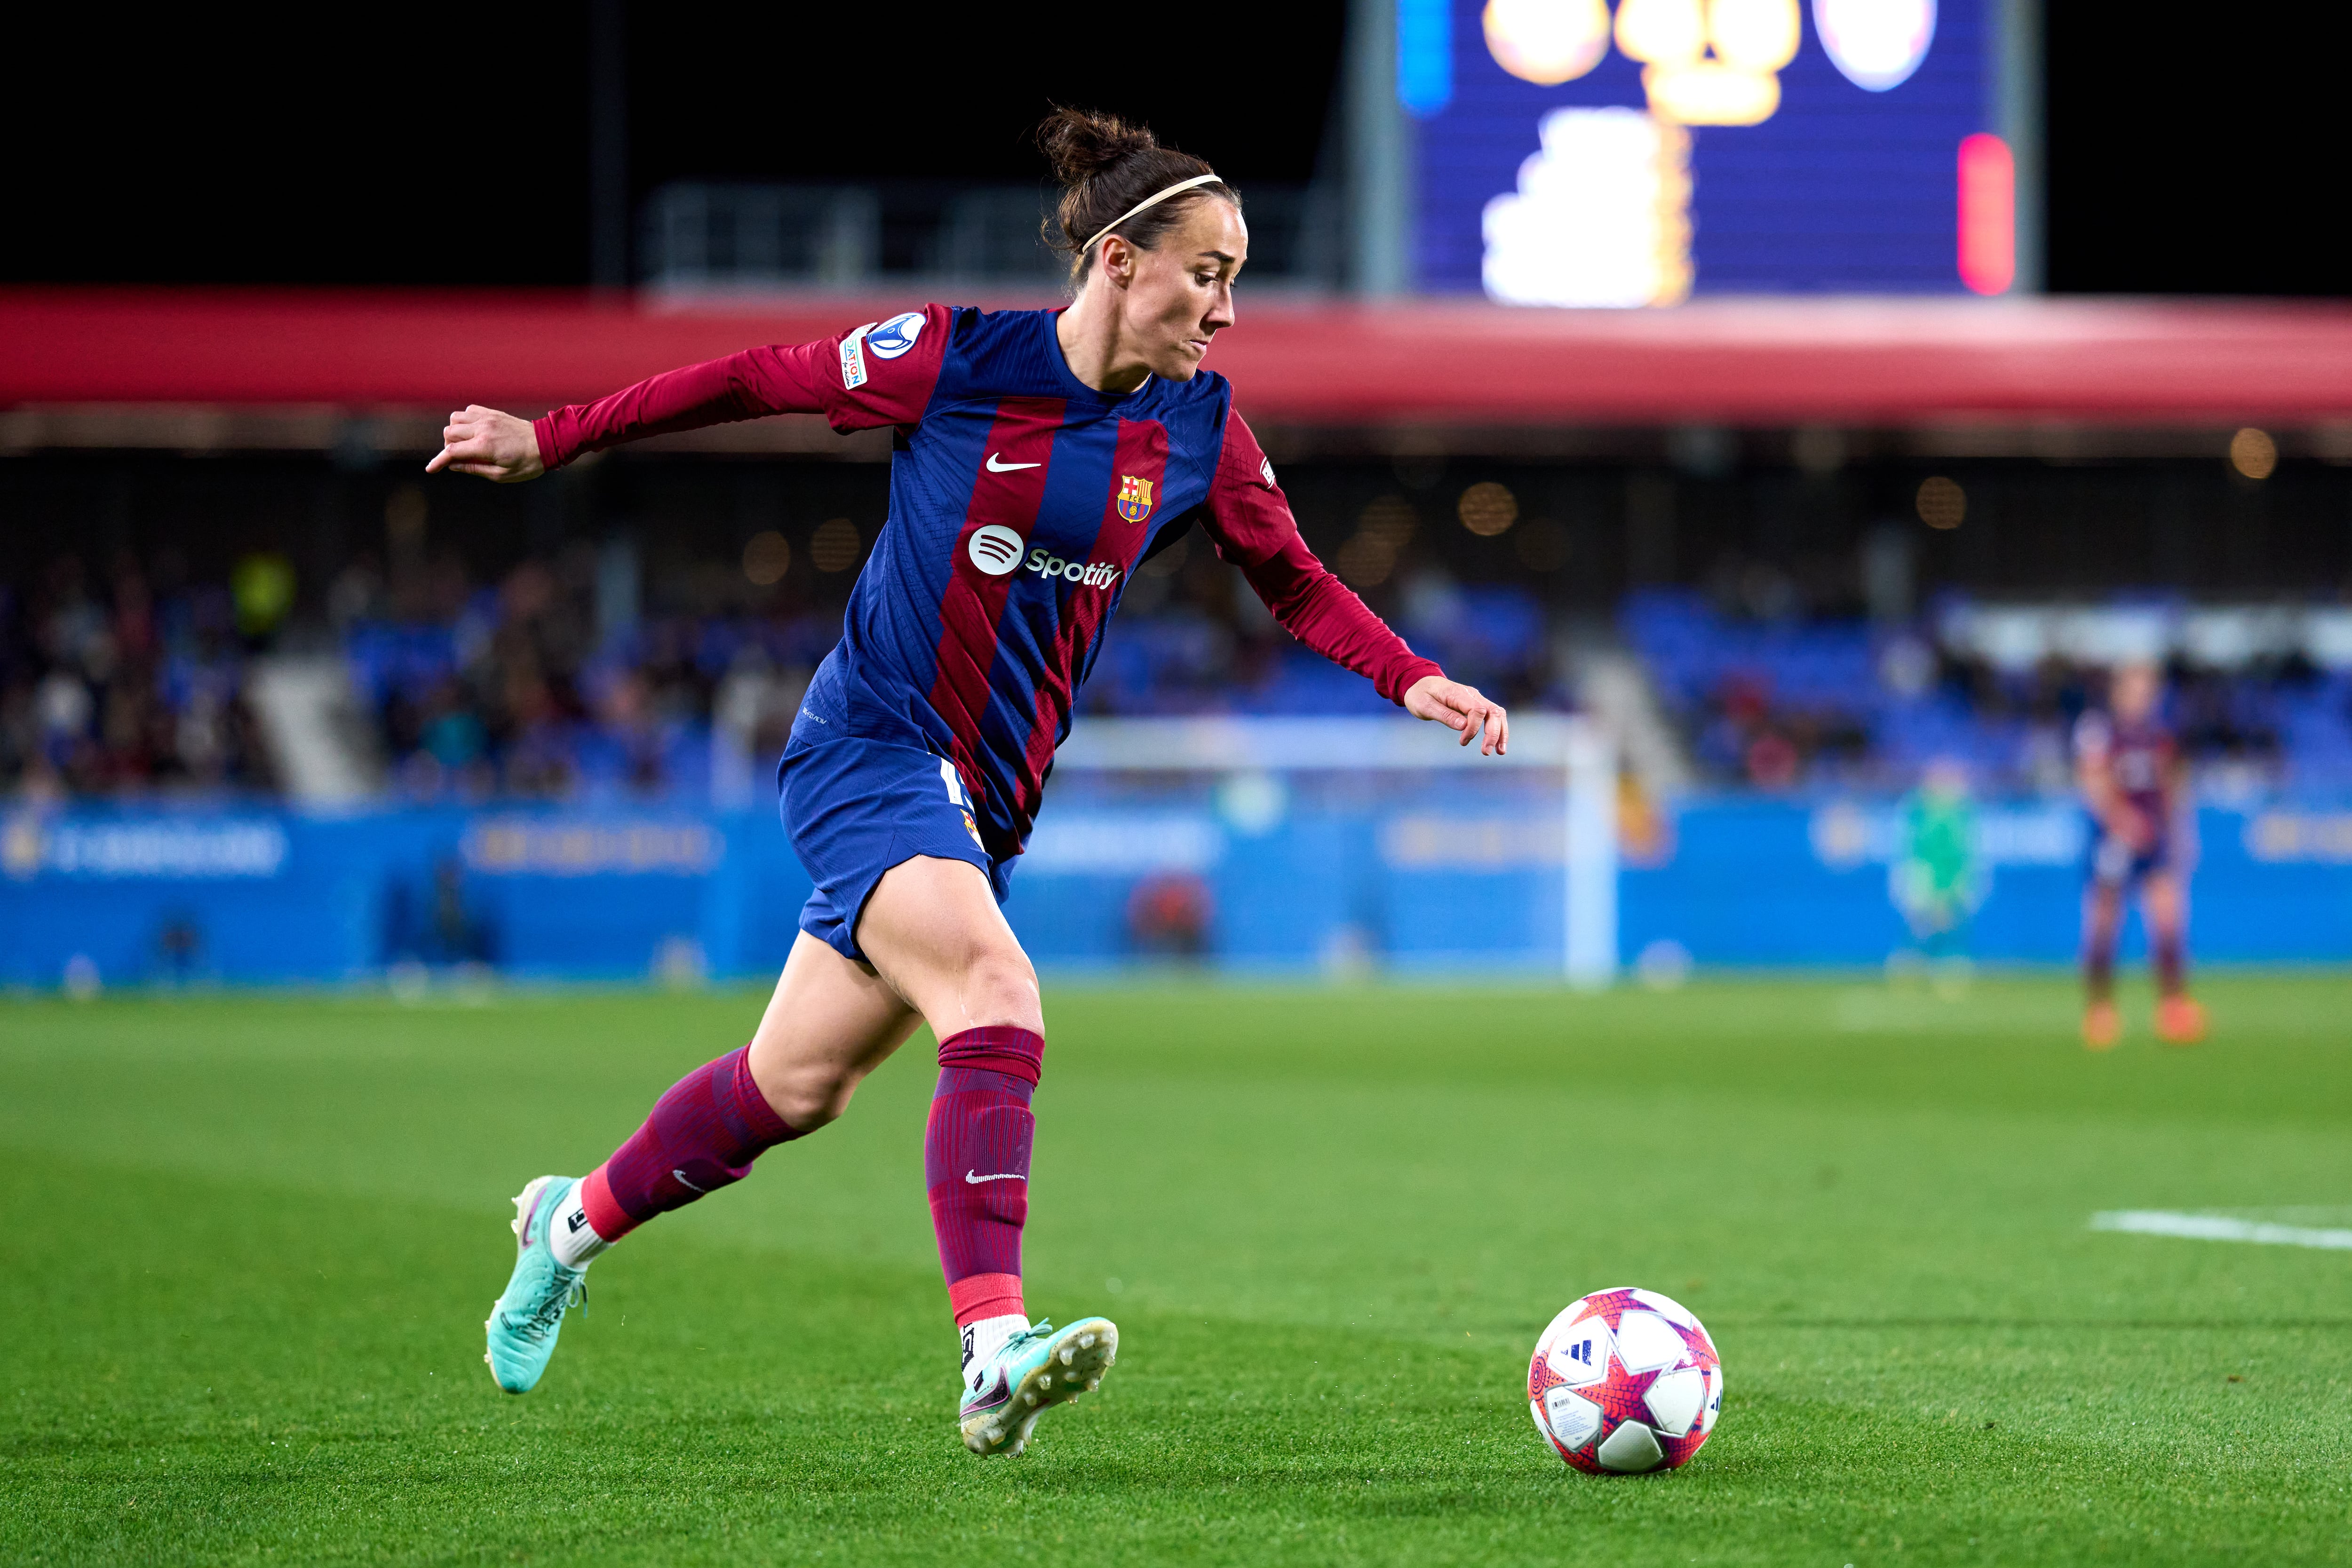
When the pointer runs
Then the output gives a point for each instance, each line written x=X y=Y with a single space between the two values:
x=1782 y=704
x=119 y=690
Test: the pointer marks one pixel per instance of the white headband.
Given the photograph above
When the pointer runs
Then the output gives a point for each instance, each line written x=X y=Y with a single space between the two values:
x=1145 y=206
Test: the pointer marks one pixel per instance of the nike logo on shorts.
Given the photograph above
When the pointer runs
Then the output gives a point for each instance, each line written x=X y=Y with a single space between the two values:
x=975 y=1178
x=996 y=466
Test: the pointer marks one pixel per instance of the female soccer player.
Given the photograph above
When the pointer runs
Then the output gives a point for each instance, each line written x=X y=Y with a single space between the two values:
x=1041 y=457
x=2135 y=785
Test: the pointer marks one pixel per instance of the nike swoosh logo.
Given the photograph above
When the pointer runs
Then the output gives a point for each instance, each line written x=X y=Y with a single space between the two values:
x=975 y=1179
x=689 y=1187
x=996 y=467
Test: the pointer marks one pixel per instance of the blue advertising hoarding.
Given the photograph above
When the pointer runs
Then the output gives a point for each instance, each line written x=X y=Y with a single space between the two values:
x=1435 y=885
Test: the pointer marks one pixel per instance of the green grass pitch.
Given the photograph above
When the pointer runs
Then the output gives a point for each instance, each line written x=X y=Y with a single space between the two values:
x=247 y=1244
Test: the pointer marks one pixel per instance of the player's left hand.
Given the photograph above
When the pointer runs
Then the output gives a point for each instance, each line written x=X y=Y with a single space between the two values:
x=1459 y=707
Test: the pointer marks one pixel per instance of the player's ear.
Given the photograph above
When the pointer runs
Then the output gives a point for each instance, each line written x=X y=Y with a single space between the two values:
x=1117 y=260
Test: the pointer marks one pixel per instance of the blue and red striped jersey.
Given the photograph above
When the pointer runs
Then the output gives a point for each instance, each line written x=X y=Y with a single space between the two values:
x=2140 y=758
x=1020 y=502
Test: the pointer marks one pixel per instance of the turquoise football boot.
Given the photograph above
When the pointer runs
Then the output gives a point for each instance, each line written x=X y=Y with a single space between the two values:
x=524 y=1322
x=1038 y=1368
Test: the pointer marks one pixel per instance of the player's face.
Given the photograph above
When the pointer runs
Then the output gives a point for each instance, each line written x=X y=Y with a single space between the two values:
x=2133 y=693
x=1182 y=293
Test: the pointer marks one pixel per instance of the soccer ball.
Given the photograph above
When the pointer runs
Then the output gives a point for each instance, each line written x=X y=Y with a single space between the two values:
x=1625 y=1380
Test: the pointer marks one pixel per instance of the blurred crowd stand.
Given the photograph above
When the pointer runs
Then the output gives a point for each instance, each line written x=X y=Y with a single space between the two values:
x=127 y=680
x=584 y=672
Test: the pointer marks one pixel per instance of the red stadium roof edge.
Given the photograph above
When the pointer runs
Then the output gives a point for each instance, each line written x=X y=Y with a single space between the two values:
x=1874 y=361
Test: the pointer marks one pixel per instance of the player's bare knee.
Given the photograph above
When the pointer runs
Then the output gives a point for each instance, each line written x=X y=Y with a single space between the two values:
x=808 y=1098
x=1000 y=988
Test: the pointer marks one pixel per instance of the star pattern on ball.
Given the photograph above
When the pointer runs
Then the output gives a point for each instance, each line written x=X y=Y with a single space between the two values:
x=1610 y=1307
x=1667 y=1341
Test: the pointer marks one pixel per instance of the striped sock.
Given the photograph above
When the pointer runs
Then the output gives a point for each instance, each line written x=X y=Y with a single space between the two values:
x=976 y=1166
x=703 y=1135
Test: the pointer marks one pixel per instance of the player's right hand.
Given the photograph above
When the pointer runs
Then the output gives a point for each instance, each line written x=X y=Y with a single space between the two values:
x=498 y=447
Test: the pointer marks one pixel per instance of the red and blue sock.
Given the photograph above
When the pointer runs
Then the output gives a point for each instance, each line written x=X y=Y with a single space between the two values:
x=2099 y=961
x=703 y=1135
x=712 y=1124
x=976 y=1168
x=2171 y=956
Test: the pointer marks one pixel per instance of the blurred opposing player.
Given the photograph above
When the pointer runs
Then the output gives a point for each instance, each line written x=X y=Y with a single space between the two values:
x=2136 y=784
x=1938 y=881
x=1041 y=457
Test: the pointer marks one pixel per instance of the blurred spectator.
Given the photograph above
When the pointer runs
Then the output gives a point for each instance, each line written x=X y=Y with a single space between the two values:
x=1772 y=699
x=1168 y=915
x=554 y=681
x=439 y=924
x=121 y=689
x=179 y=945
x=518 y=691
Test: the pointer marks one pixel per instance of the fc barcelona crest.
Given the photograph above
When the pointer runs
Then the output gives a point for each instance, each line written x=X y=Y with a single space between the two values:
x=1134 y=498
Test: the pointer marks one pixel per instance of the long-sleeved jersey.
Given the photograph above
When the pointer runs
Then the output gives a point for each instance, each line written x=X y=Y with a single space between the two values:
x=2140 y=758
x=1020 y=502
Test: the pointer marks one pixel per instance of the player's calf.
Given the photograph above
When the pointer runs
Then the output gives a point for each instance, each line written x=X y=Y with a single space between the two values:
x=703 y=1134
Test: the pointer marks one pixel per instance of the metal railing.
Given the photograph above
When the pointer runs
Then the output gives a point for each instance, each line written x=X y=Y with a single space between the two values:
x=706 y=235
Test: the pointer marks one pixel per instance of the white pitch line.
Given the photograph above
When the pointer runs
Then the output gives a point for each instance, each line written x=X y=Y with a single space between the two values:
x=2220 y=1227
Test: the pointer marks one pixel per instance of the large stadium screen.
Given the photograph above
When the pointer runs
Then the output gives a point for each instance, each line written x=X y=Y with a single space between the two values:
x=1570 y=154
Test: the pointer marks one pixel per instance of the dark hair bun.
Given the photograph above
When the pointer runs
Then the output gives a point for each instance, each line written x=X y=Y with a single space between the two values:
x=1080 y=143
x=1106 y=167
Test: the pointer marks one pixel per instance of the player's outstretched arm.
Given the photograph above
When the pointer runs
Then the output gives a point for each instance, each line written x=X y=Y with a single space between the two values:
x=1250 y=521
x=498 y=447
x=833 y=376
x=1461 y=708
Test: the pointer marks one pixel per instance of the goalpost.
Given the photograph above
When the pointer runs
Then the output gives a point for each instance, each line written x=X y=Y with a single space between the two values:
x=1374 y=842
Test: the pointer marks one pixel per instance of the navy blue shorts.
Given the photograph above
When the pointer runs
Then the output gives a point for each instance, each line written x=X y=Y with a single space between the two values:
x=854 y=808
x=2115 y=863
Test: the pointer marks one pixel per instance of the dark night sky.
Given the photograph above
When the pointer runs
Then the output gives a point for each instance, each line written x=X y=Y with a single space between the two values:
x=2197 y=150
x=211 y=146
x=217 y=148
